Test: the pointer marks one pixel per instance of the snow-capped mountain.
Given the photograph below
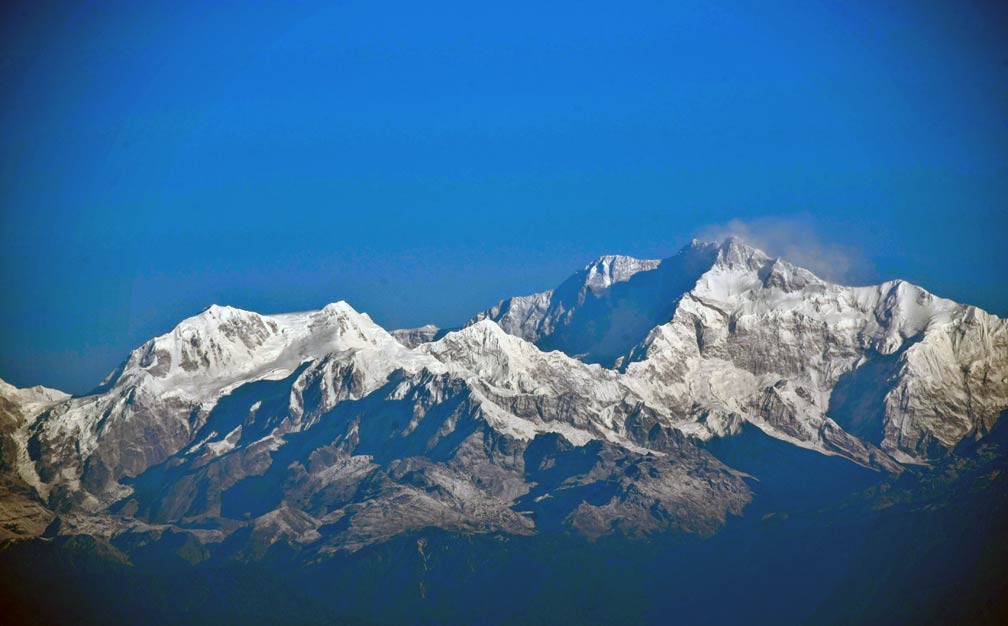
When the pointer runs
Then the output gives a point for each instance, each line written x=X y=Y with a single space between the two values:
x=590 y=407
x=582 y=316
x=756 y=339
x=800 y=358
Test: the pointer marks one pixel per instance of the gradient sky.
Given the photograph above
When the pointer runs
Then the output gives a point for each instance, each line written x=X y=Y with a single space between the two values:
x=423 y=160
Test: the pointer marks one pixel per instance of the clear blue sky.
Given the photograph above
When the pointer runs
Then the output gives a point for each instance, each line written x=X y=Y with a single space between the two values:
x=422 y=160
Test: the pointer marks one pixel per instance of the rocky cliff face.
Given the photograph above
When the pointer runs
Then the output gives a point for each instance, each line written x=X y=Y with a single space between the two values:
x=23 y=512
x=323 y=431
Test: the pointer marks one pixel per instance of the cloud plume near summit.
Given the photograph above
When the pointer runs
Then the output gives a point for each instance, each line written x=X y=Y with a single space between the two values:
x=799 y=241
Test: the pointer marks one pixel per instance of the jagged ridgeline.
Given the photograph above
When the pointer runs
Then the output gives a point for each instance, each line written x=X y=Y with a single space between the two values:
x=641 y=401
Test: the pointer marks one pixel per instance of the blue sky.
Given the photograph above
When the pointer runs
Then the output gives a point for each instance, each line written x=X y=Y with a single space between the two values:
x=423 y=160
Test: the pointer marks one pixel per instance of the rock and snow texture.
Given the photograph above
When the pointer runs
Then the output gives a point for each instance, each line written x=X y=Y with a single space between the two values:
x=22 y=509
x=805 y=360
x=612 y=269
x=158 y=400
x=556 y=315
x=722 y=334
x=324 y=430
x=413 y=337
x=323 y=420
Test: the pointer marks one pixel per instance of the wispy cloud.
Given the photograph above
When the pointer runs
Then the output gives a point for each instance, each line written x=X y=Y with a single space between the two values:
x=795 y=239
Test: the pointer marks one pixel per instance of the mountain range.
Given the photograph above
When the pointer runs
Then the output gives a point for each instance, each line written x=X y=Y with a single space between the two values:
x=631 y=402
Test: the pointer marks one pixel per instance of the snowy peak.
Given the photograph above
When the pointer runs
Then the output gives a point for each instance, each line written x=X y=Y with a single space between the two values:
x=487 y=352
x=911 y=309
x=752 y=322
x=611 y=269
x=37 y=393
x=735 y=254
x=487 y=337
x=337 y=326
x=483 y=331
x=216 y=343
x=739 y=267
x=223 y=344
x=535 y=316
x=484 y=340
x=31 y=400
x=597 y=278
